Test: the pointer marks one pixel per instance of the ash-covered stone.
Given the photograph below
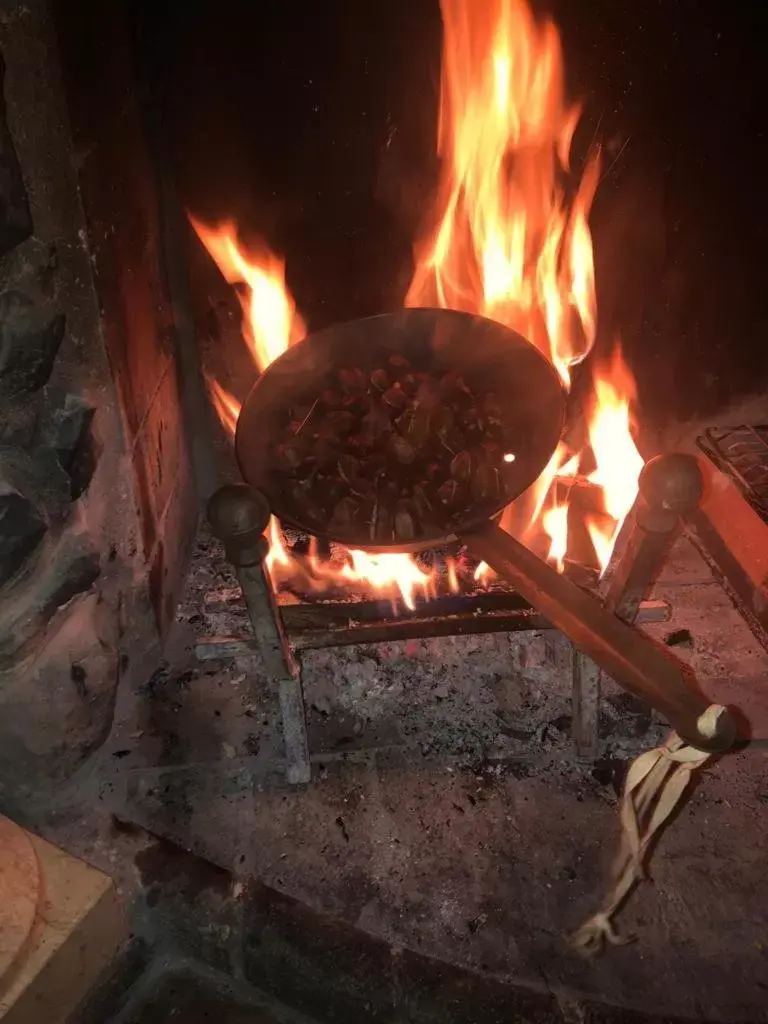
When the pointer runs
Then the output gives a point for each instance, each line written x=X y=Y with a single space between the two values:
x=81 y=573
x=15 y=218
x=69 y=432
x=71 y=570
x=32 y=495
x=39 y=478
x=52 y=718
x=21 y=530
x=30 y=336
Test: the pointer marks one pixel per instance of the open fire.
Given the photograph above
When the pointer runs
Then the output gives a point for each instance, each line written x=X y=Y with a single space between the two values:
x=511 y=241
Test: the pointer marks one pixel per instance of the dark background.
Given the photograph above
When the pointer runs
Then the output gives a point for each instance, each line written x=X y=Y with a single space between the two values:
x=313 y=124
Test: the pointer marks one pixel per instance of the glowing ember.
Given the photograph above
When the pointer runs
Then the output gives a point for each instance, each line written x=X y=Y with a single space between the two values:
x=511 y=242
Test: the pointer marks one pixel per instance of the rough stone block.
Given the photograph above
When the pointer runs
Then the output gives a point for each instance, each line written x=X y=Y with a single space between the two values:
x=21 y=530
x=30 y=336
x=69 y=433
x=56 y=709
x=15 y=218
x=33 y=493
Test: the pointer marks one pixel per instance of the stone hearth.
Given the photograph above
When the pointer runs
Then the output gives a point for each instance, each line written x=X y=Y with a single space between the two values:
x=448 y=844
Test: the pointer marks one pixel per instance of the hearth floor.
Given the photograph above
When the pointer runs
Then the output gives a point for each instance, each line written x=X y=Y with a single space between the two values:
x=447 y=820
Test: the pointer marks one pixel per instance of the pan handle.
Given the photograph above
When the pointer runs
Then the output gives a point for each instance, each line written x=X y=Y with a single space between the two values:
x=630 y=658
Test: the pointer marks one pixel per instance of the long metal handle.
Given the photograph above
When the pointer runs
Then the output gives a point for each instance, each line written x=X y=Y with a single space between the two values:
x=633 y=660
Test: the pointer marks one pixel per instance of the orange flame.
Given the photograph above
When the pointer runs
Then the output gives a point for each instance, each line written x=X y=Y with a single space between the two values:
x=512 y=239
x=555 y=523
x=227 y=406
x=270 y=320
x=391 y=576
x=511 y=242
x=270 y=325
x=618 y=461
x=508 y=244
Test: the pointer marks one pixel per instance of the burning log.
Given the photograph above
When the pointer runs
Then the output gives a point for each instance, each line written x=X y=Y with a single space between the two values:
x=393 y=452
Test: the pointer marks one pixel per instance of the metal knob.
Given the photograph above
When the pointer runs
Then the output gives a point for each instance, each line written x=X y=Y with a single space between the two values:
x=672 y=482
x=238 y=515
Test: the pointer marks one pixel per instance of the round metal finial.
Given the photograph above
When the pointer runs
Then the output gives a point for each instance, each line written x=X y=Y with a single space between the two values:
x=672 y=483
x=236 y=509
x=238 y=515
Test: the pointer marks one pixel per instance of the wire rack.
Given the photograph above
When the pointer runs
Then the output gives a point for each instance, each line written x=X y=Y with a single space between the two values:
x=742 y=453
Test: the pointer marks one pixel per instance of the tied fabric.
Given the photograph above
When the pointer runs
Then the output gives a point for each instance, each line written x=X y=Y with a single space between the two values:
x=654 y=786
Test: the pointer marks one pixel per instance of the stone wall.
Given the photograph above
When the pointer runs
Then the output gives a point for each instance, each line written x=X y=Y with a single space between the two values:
x=97 y=497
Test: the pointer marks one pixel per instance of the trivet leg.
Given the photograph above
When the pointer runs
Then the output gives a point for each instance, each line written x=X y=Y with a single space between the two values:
x=670 y=485
x=239 y=515
x=299 y=768
x=585 y=698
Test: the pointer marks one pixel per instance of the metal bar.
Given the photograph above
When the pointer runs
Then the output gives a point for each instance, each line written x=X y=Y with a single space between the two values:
x=759 y=438
x=327 y=614
x=300 y=618
x=266 y=621
x=669 y=485
x=341 y=630
x=211 y=648
x=626 y=655
x=586 y=689
x=315 y=614
x=414 y=629
x=239 y=516
x=639 y=567
x=298 y=768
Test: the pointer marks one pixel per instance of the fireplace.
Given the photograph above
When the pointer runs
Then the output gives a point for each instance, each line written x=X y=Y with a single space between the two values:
x=108 y=438
x=186 y=192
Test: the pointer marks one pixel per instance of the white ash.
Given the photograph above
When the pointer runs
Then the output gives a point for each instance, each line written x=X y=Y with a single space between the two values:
x=486 y=697
x=462 y=696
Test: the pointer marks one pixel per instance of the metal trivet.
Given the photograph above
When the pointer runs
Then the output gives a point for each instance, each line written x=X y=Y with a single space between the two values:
x=670 y=488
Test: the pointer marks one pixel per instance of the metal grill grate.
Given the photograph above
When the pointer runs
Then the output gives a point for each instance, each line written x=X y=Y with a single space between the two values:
x=742 y=453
